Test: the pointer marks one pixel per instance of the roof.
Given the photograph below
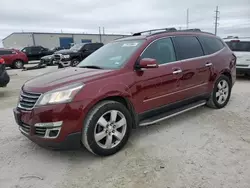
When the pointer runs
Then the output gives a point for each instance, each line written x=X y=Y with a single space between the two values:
x=63 y=34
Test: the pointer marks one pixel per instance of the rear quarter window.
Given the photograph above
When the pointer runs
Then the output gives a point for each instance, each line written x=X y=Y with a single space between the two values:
x=187 y=47
x=210 y=44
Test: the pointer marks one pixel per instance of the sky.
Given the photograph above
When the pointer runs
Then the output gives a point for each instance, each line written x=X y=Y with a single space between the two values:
x=122 y=16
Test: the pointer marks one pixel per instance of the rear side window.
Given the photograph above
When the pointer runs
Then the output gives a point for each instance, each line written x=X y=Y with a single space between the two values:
x=6 y=52
x=210 y=44
x=239 y=46
x=162 y=50
x=187 y=47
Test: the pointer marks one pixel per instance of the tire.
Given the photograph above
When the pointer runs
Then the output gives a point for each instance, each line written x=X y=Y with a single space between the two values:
x=74 y=62
x=218 y=98
x=18 y=64
x=102 y=113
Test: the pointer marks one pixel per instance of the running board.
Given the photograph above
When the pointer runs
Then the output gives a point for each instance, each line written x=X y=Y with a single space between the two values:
x=166 y=115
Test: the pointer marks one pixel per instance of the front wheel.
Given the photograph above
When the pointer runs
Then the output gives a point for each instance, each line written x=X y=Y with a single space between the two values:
x=74 y=62
x=107 y=127
x=221 y=93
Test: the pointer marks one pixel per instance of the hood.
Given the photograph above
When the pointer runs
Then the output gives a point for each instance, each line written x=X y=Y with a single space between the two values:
x=63 y=77
x=65 y=52
x=47 y=56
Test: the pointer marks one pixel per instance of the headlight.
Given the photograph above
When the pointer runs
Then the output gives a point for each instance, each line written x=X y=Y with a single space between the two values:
x=61 y=95
x=65 y=56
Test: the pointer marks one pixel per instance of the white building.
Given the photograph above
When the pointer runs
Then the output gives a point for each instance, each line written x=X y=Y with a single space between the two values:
x=49 y=40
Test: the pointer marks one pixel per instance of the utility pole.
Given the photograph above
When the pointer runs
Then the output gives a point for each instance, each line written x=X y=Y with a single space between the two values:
x=216 y=20
x=100 y=34
x=103 y=31
x=187 y=18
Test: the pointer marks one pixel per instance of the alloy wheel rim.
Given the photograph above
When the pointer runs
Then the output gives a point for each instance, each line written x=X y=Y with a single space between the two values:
x=75 y=63
x=19 y=64
x=222 y=92
x=110 y=129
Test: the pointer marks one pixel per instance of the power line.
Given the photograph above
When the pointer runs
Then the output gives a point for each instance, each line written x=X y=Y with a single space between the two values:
x=216 y=20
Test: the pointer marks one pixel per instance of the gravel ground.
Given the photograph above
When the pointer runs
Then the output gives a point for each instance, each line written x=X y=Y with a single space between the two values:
x=201 y=148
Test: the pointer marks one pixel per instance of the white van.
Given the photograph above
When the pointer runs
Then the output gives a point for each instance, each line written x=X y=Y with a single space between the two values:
x=241 y=48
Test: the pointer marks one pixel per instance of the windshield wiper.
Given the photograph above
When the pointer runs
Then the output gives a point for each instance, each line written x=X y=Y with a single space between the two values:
x=90 y=67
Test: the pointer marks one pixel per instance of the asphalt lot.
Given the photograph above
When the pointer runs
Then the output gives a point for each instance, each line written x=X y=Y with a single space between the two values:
x=201 y=148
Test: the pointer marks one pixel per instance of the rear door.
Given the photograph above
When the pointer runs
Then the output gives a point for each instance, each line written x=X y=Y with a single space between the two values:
x=8 y=56
x=196 y=68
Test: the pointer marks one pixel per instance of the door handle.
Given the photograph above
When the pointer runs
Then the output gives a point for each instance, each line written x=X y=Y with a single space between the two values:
x=177 y=71
x=208 y=64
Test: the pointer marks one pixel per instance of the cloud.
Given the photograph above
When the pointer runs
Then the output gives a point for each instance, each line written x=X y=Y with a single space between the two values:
x=122 y=16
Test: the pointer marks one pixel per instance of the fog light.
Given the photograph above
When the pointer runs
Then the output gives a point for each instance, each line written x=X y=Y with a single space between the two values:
x=53 y=133
x=49 y=124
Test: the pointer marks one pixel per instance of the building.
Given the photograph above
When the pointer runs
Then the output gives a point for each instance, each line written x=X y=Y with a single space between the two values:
x=49 y=40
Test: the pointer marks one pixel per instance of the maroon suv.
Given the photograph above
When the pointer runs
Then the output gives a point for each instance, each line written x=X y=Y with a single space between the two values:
x=13 y=58
x=130 y=82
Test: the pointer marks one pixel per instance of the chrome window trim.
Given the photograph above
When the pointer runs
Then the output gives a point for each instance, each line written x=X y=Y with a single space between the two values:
x=180 y=61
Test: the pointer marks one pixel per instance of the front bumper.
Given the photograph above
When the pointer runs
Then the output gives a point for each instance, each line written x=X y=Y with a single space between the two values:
x=69 y=136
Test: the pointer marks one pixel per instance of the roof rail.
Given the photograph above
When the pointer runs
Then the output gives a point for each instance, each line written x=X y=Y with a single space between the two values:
x=155 y=31
x=195 y=30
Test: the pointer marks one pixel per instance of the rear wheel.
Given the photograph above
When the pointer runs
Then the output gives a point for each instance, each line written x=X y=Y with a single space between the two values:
x=106 y=128
x=221 y=93
x=18 y=64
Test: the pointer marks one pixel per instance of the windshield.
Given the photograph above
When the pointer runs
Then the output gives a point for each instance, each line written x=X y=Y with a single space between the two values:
x=112 y=55
x=239 y=46
x=76 y=47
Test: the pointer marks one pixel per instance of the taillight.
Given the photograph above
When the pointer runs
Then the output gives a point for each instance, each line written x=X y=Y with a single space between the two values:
x=1 y=61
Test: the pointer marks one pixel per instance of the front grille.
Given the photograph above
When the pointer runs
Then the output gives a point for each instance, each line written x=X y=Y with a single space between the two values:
x=57 y=57
x=40 y=131
x=28 y=100
x=25 y=128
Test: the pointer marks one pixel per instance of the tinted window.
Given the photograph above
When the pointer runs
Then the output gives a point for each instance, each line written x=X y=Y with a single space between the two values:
x=36 y=49
x=239 y=46
x=187 y=47
x=162 y=50
x=26 y=50
x=210 y=44
x=5 y=52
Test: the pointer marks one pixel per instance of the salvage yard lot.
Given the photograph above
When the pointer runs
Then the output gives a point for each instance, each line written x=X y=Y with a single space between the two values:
x=200 y=148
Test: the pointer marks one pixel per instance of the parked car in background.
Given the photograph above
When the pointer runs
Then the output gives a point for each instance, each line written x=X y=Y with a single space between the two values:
x=13 y=58
x=48 y=60
x=75 y=54
x=241 y=48
x=4 y=77
x=36 y=52
x=130 y=82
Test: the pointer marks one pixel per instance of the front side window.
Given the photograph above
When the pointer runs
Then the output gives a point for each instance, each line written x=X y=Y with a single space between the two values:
x=113 y=55
x=239 y=46
x=162 y=50
x=210 y=44
x=77 y=47
x=187 y=47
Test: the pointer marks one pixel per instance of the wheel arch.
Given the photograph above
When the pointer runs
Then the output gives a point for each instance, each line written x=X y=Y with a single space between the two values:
x=127 y=103
x=228 y=74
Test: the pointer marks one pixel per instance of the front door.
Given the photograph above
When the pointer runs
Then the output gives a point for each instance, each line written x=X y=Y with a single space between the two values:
x=156 y=87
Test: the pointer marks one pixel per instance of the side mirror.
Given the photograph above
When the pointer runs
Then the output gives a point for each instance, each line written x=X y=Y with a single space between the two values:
x=148 y=63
